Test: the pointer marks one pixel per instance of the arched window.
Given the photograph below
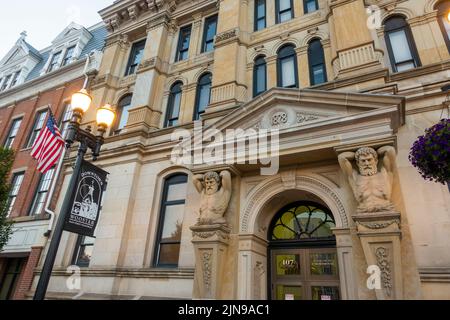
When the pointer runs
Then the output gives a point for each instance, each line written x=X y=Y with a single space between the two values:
x=203 y=95
x=316 y=59
x=167 y=251
x=400 y=44
x=443 y=18
x=123 y=109
x=173 y=106
x=287 y=67
x=302 y=221
x=259 y=76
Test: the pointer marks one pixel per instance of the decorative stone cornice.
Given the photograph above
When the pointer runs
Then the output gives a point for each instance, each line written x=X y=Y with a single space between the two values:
x=123 y=11
x=159 y=20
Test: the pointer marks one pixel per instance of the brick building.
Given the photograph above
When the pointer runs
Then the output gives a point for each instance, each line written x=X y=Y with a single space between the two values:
x=33 y=82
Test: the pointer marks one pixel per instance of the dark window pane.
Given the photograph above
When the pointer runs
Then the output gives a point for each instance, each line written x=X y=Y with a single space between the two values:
x=124 y=108
x=203 y=95
x=37 y=127
x=183 y=43
x=210 y=33
x=68 y=56
x=169 y=254
x=260 y=14
x=311 y=6
x=173 y=223
x=12 y=133
x=325 y=293
x=136 y=55
x=41 y=193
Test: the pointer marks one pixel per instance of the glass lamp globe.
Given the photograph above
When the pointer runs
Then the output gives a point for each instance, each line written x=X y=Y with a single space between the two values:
x=105 y=116
x=81 y=101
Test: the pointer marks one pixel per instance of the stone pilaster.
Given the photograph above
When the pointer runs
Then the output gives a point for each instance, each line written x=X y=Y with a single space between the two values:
x=210 y=246
x=229 y=83
x=380 y=235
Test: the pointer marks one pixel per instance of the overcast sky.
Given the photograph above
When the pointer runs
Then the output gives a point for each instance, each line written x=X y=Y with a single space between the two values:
x=44 y=19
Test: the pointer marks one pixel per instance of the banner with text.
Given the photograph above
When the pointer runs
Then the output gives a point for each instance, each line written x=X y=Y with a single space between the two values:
x=86 y=201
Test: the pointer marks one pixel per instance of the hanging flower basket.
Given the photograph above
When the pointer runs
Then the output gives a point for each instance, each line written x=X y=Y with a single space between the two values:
x=430 y=154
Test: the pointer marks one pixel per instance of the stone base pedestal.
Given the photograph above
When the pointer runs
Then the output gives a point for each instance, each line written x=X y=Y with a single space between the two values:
x=380 y=236
x=210 y=245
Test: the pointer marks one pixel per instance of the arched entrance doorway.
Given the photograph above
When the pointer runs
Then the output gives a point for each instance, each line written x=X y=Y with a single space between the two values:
x=303 y=259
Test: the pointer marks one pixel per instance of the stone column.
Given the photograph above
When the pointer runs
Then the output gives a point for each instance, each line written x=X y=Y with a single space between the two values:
x=210 y=246
x=144 y=116
x=229 y=86
x=303 y=66
x=271 y=71
x=352 y=42
x=380 y=236
x=378 y=223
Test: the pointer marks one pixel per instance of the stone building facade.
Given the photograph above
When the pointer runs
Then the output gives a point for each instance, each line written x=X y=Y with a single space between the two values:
x=348 y=84
x=33 y=84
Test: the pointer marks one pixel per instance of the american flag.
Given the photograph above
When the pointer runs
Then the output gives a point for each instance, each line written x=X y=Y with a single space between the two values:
x=48 y=146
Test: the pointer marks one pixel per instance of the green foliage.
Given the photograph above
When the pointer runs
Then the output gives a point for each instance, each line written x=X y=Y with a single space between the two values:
x=6 y=161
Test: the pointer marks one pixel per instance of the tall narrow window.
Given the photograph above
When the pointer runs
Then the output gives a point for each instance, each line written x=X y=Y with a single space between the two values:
x=68 y=56
x=310 y=6
x=65 y=120
x=183 y=43
x=443 y=17
x=13 y=133
x=316 y=58
x=284 y=10
x=15 y=187
x=41 y=193
x=123 y=111
x=54 y=63
x=14 y=79
x=400 y=44
x=287 y=67
x=137 y=51
x=171 y=221
x=203 y=95
x=260 y=14
x=259 y=76
x=83 y=252
x=10 y=278
x=37 y=127
x=5 y=82
x=209 y=34
x=174 y=104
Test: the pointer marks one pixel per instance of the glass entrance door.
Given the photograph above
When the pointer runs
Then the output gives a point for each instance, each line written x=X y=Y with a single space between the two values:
x=305 y=274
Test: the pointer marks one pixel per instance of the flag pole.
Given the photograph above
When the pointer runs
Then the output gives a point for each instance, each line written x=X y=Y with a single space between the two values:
x=51 y=194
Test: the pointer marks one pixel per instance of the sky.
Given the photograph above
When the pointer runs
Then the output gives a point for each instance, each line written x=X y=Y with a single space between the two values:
x=43 y=20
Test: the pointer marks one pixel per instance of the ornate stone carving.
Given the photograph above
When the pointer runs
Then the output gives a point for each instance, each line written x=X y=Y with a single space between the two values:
x=382 y=255
x=279 y=118
x=227 y=35
x=215 y=193
x=372 y=188
x=207 y=266
x=133 y=12
x=302 y=118
x=378 y=226
x=146 y=64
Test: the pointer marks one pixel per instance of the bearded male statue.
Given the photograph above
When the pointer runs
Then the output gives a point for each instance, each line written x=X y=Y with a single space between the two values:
x=372 y=188
x=215 y=193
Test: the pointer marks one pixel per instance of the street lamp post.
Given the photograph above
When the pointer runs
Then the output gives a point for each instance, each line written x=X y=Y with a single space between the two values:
x=105 y=117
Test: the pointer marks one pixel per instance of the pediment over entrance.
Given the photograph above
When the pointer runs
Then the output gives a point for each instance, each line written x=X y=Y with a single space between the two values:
x=288 y=109
x=313 y=124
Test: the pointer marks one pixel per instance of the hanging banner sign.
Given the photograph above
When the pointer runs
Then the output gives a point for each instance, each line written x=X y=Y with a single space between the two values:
x=86 y=201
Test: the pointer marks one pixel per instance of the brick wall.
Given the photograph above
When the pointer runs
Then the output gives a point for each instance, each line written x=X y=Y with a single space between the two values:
x=27 y=275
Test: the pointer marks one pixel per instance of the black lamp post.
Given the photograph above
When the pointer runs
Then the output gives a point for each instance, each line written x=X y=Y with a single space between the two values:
x=105 y=117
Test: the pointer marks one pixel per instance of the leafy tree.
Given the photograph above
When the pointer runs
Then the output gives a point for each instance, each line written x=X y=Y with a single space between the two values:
x=6 y=161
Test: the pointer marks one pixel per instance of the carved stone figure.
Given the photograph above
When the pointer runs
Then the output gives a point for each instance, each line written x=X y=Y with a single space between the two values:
x=372 y=188
x=215 y=193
